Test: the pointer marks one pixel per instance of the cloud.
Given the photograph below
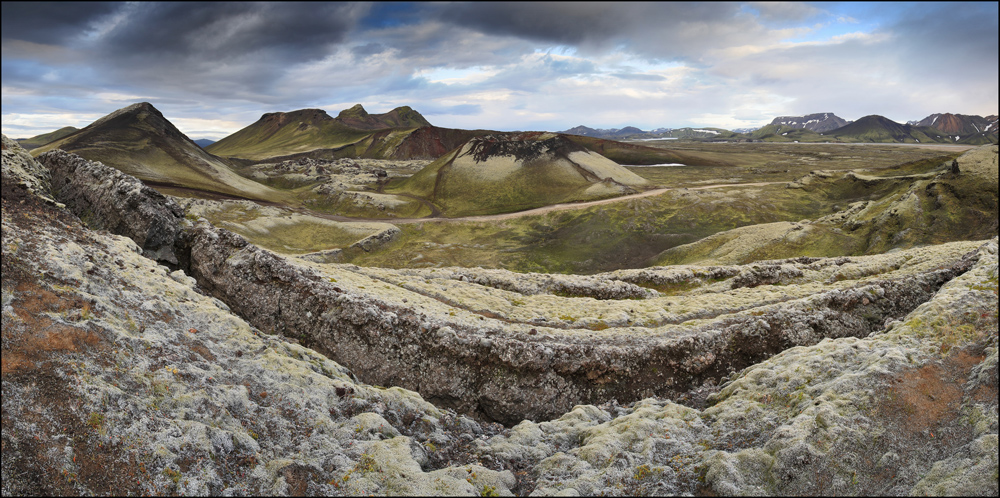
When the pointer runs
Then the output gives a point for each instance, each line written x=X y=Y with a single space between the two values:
x=503 y=66
x=785 y=11
x=52 y=22
x=456 y=110
x=638 y=76
x=221 y=32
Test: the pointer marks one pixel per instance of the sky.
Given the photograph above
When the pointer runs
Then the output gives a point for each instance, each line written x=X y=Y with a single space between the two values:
x=214 y=68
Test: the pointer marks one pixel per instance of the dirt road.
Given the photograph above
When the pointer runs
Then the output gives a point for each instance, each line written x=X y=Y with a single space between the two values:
x=536 y=211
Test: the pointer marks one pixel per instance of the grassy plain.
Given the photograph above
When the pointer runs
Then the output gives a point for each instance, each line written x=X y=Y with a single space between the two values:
x=767 y=162
x=635 y=233
x=632 y=233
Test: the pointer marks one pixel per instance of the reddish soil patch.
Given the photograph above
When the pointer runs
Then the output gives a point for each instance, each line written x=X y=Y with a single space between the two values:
x=930 y=397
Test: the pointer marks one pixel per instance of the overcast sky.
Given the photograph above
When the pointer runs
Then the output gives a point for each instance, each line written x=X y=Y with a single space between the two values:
x=215 y=68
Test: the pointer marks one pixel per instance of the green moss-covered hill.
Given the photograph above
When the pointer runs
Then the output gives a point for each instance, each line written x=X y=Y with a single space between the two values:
x=954 y=201
x=40 y=140
x=313 y=133
x=512 y=172
x=876 y=128
x=285 y=133
x=139 y=141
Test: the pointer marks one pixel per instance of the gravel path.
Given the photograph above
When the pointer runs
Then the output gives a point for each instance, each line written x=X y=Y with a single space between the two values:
x=536 y=211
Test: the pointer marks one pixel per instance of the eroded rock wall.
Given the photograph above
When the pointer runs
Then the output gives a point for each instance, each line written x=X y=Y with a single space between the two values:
x=504 y=369
x=108 y=199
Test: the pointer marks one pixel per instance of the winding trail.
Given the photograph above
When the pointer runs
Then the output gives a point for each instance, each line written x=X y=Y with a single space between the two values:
x=530 y=212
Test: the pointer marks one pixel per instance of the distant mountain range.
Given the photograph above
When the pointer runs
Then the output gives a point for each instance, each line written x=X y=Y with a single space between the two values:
x=826 y=127
x=819 y=122
x=633 y=133
x=401 y=133
x=140 y=141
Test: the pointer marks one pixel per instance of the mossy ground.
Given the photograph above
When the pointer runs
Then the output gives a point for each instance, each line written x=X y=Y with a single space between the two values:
x=464 y=184
x=768 y=162
x=630 y=234
x=280 y=230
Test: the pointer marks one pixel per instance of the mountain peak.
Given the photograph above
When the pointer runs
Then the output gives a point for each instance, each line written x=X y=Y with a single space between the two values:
x=818 y=122
x=956 y=124
x=134 y=111
x=357 y=111
x=400 y=117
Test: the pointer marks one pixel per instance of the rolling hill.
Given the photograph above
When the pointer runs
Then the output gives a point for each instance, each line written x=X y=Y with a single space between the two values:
x=512 y=172
x=400 y=134
x=786 y=133
x=875 y=128
x=139 y=141
x=400 y=117
x=313 y=133
x=40 y=140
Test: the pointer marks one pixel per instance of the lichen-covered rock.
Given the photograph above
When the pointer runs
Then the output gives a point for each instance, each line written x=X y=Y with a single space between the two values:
x=505 y=356
x=120 y=377
x=911 y=410
x=108 y=199
x=22 y=169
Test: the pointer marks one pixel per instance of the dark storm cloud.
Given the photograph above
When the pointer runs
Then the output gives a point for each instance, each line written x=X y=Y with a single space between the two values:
x=51 y=22
x=659 y=29
x=558 y=64
x=223 y=31
x=367 y=50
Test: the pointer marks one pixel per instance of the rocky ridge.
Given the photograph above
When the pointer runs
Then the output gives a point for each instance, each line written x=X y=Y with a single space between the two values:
x=818 y=122
x=149 y=371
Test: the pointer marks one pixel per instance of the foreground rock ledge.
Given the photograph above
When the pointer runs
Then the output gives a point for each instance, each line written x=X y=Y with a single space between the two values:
x=504 y=371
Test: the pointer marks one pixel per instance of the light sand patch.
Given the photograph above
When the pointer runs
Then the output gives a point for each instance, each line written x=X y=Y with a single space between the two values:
x=491 y=170
x=265 y=224
x=603 y=168
x=388 y=200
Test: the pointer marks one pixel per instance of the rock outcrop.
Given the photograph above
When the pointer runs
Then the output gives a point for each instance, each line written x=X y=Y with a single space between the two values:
x=105 y=198
x=120 y=377
x=506 y=356
x=23 y=170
